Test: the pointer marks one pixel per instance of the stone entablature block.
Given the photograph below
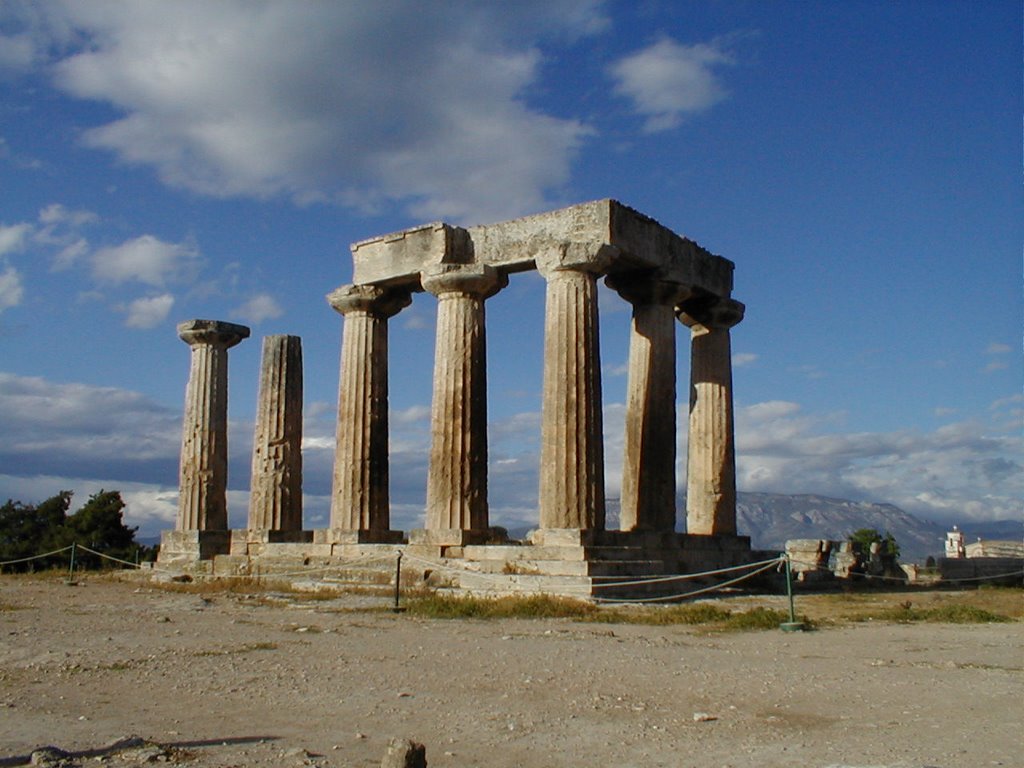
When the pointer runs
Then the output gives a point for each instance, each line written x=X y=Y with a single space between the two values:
x=599 y=230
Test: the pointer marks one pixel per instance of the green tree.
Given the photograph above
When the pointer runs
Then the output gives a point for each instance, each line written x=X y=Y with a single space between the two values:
x=865 y=537
x=99 y=525
x=27 y=530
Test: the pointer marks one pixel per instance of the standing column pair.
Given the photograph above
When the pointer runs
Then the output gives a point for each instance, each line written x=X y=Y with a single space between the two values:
x=648 y=499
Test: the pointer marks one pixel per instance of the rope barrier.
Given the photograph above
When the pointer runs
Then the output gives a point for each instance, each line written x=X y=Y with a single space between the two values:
x=565 y=585
x=685 y=576
x=694 y=593
x=34 y=557
x=763 y=565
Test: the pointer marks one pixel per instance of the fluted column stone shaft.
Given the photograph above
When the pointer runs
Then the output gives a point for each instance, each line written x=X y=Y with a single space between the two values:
x=711 y=453
x=572 y=437
x=359 y=498
x=457 y=479
x=648 y=498
x=203 y=476
x=275 y=498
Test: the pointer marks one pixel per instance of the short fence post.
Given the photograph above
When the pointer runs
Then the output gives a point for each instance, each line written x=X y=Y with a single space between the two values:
x=398 y=582
x=71 y=570
x=792 y=625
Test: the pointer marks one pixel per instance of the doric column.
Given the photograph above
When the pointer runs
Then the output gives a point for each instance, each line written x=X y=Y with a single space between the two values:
x=648 y=500
x=457 y=480
x=572 y=438
x=203 y=480
x=359 y=499
x=275 y=498
x=711 y=453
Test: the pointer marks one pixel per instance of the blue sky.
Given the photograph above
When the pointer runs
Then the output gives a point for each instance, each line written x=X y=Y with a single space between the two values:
x=860 y=162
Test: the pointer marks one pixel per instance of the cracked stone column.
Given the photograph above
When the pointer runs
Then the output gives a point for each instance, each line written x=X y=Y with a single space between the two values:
x=359 y=499
x=572 y=437
x=203 y=479
x=457 y=480
x=711 y=453
x=275 y=499
x=648 y=500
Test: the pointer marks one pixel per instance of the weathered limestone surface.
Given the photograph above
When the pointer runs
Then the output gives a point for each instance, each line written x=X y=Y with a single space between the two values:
x=572 y=438
x=637 y=241
x=711 y=455
x=275 y=500
x=202 y=487
x=649 y=460
x=359 y=500
x=457 y=479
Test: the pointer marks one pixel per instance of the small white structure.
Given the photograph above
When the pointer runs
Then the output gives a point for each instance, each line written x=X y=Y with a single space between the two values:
x=955 y=544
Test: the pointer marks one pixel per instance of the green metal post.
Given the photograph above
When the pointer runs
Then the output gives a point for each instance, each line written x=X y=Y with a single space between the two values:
x=398 y=582
x=71 y=570
x=792 y=625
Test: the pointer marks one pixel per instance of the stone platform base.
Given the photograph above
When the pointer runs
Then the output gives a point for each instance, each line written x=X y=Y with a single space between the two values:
x=576 y=563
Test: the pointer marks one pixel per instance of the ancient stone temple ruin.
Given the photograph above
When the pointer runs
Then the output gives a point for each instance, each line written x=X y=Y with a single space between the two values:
x=667 y=280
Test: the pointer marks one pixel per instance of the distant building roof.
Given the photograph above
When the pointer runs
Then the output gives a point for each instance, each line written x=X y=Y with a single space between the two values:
x=992 y=548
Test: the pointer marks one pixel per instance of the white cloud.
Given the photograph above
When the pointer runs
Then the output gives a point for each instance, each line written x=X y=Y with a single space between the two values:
x=259 y=308
x=669 y=80
x=744 y=358
x=995 y=348
x=70 y=253
x=964 y=470
x=361 y=103
x=55 y=214
x=149 y=312
x=11 y=289
x=147 y=260
x=13 y=238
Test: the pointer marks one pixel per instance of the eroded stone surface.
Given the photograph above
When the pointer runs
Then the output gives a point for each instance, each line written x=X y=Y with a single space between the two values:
x=275 y=500
x=204 y=449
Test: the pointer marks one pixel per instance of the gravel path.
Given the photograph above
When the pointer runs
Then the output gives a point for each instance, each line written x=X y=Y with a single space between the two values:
x=236 y=681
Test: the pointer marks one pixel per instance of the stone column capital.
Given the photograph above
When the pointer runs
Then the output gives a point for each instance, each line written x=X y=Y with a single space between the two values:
x=474 y=280
x=710 y=312
x=642 y=289
x=214 y=333
x=568 y=258
x=379 y=301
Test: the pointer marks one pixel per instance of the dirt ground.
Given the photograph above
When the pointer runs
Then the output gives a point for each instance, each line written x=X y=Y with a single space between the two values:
x=227 y=680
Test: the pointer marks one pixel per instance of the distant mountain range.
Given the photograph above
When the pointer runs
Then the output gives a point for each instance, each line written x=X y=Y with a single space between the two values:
x=770 y=519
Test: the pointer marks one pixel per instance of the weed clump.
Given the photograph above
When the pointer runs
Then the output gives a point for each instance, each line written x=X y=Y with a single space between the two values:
x=946 y=614
x=528 y=607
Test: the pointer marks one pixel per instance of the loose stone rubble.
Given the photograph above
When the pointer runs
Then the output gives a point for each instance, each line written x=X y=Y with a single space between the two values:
x=665 y=277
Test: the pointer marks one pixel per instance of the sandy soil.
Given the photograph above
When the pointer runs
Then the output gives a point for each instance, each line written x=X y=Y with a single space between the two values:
x=236 y=681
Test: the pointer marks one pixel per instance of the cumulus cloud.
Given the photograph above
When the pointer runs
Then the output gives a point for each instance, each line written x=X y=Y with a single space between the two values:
x=11 y=289
x=60 y=429
x=261 y=307
x=360 y=103
x=668 y=81
x=148 y=260
x=149 y=312
x=13 y=238
x=961 y=470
